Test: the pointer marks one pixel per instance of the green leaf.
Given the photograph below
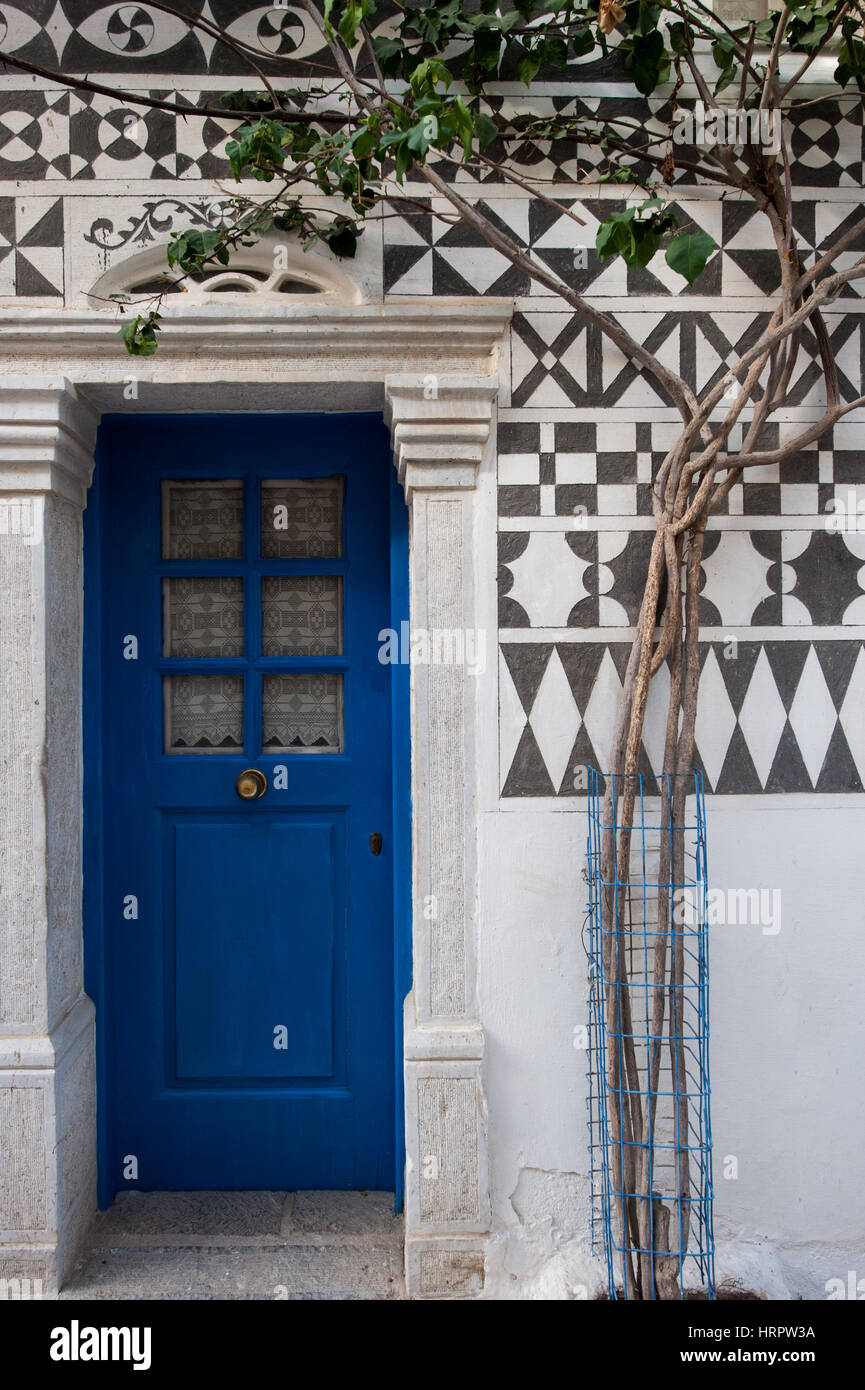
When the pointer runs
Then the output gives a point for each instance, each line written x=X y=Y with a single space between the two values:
x=808 y=26
x=403 y=162
x=349 y=23
x=688 y=253
x=487 y=47
x=426 y=74
x=242 y=100
x=646 y=242
x=343 y=242
x=139 y=334
x=635 y=234
x=726 y=79
x=528 y=67
x=582 y=42
x=421 y=135
x=851 y=60
x=192 y=248
x=681 y=40
x=553 y=52
x=649 y=62
x=464 y=125
x=485 y=129
x=647 y=18
x=615 y=235
x=389 y=54
x=260 y=148
x=128 y=333
x=364 y=141
x=391 y=137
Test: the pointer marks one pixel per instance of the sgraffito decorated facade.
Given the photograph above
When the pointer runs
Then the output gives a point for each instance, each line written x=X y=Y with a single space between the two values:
x=527 y=471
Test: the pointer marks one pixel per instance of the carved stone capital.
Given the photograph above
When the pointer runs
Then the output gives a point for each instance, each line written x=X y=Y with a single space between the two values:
x=47 y=432
x=439 y=427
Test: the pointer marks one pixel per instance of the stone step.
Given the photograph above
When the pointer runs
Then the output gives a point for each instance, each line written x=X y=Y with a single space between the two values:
x=248 y=1272
x=243 y=1245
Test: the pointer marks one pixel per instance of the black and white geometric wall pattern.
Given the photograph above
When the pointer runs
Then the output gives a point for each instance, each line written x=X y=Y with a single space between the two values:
x=93 y=36
x=426 y=256
x=568 y=468
x=31 y=247
x=594 y=578
x=781 y=705
x=559 y=359
x=34 y=136
x=780 y=716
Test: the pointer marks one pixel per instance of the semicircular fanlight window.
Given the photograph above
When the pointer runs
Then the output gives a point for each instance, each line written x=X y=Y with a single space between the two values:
x=289 y=286
x=156 y=286
x=253 y=272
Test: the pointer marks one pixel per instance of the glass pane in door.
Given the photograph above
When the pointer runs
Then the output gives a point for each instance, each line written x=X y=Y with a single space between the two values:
x=202 y=520
x=302 y=713
x=203 y=714
x=202 y=616
x=301 y=615
x=301 y=518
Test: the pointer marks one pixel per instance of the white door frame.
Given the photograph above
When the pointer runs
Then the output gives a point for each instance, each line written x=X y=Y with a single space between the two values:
x=434 y=369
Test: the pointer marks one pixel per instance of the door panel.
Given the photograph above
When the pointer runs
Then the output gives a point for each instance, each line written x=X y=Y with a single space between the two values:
x=249 y=945
x=241 y=978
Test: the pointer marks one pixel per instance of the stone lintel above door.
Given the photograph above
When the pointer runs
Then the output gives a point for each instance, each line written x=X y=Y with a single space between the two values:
x=230 y=357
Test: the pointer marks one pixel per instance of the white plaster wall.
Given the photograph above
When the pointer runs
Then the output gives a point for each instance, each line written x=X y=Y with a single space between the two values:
x=788 y=1036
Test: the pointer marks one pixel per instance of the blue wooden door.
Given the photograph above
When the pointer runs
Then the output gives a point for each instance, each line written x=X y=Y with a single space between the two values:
x=248 y=943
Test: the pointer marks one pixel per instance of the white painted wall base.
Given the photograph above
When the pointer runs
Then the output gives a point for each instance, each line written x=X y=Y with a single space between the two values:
x=788 y=1030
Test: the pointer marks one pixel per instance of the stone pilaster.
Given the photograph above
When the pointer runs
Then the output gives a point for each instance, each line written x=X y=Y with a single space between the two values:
x=47 y=1073
x=440 y=429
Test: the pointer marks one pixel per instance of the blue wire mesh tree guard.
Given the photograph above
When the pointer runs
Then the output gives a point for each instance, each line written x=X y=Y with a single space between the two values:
x=674 y=1142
